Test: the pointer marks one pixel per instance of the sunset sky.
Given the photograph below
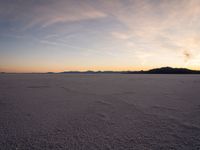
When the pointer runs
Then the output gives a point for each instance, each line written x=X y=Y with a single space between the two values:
x=61 y=35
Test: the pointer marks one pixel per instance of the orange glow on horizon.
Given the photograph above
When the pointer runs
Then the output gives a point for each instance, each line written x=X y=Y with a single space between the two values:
x=75 y=68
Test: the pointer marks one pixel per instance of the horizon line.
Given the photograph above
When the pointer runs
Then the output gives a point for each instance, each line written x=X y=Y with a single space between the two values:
x=92 y=71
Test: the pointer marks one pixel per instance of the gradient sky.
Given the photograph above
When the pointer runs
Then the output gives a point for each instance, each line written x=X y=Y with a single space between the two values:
x=58 y=35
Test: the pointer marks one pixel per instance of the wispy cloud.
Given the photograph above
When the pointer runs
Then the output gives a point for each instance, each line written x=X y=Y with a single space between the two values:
x=165 y=25
x=32 y=13
x=136 y=32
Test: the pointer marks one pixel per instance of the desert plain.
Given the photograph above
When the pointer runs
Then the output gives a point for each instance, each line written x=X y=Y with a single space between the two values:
x=99 y=112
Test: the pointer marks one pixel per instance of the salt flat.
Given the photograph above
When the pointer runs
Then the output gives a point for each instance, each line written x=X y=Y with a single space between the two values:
x=99 y=111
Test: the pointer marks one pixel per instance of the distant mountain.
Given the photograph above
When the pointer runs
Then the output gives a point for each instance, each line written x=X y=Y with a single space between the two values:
x=167 y=70
x=163 y=70
x=90 y=72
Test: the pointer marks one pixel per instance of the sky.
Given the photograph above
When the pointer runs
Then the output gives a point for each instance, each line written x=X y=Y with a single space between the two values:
x=63 y=35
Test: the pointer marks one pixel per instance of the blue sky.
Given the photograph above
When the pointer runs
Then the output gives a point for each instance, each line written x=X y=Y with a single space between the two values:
x=49 y=35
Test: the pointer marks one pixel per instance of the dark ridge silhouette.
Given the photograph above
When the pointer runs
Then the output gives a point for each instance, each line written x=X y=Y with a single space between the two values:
x=50 y=72
x=167 y=70
x=163 y=70
x=91 y=72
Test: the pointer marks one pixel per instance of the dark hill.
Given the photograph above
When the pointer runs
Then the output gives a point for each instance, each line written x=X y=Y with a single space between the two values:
x=169 y=70
x=163 y=70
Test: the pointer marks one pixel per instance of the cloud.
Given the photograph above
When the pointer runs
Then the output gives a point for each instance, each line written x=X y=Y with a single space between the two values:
x=50 y=17
x=168 y=26
x=150 y=31
x=46 y=13
x=187 y=55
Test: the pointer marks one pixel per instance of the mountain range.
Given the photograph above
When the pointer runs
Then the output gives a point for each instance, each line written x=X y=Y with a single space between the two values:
x=162 y=70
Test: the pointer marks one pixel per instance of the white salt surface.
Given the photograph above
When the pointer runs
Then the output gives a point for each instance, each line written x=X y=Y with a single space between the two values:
x=66 y=111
